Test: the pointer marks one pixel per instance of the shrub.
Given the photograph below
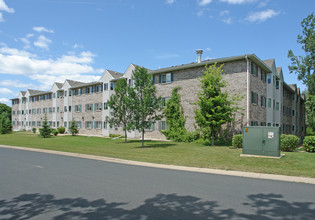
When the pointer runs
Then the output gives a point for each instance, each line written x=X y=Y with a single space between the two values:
x=310 y=132
x=309 y=143
x=34 y=130
x=61 y=130
x=288 y=142
x=55 y=132
x=116 y=135
x=237 y=141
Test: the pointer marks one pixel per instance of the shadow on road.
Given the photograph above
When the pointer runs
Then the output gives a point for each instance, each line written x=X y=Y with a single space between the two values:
x=162 y=206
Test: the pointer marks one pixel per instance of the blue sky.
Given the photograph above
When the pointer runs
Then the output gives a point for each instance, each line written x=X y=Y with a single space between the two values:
x=43 y=41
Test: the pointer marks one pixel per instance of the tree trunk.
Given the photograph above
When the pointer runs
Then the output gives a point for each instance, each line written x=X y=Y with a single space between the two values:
x=143 y=138
x=125 y=136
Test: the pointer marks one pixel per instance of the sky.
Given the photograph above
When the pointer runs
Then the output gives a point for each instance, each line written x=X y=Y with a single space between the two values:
x=47 y=41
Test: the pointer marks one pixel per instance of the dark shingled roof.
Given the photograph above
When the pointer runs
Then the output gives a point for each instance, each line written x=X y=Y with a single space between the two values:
x=115 y=74
x=37 y=92
x=23 y=93
x=59 y=85
x=252 y=57
x=73 y=83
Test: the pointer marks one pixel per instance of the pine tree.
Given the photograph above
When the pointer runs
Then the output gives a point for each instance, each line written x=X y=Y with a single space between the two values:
x=73 y=128
x=215 y=108
x=45 y=130
x=5 y=123
x=146 y=106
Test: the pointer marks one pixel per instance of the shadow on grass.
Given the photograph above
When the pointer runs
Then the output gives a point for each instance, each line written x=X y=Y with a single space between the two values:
x=161 y=206
x=148 y=143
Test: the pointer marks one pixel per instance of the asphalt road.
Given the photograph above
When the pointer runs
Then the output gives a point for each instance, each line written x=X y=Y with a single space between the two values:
x=43 y=186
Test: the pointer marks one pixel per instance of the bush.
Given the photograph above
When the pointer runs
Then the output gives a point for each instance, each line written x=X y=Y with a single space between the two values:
x=55 y=132
x=310 y=132
x=116 y=135
x=237 y=141
x=309 y=143
x=288 y=142
x=34 y=130
x=61 y=130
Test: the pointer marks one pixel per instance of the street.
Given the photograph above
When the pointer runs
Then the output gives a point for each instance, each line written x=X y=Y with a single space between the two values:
x=36 y=185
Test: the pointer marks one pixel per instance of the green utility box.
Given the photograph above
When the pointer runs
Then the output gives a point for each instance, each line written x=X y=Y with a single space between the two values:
x=264 y=141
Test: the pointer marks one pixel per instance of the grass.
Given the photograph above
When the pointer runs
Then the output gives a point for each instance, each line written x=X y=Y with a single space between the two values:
x=185 y=154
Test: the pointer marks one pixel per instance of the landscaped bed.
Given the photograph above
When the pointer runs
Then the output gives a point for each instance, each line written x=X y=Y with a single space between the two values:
x=185 y=154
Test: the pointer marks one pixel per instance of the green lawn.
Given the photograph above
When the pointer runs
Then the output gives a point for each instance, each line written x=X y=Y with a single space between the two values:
x=185 y=154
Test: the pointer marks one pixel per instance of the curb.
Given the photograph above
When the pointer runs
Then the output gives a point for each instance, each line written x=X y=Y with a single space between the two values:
x=174 y=167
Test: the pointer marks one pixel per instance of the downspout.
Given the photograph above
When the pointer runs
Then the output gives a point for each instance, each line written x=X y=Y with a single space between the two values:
x=247 y=106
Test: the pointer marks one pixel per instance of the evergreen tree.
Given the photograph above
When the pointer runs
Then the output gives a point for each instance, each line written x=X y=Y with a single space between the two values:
x=146 y=106
x=215 y=108
x=45 y=130
x=121 y=107
x=175 y=118
x=73 y=128
x=304 y=66
x=5 y=123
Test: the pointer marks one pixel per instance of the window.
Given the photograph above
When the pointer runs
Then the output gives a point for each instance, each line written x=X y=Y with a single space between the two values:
x=77 y=108
x=98 y=125
x=153 y=126
x=78 y=124
x=130 y=82
x=70 y=92
x=269 y=124
x=253 y=123
x=105 y=105
x=105 y=86
x=88 y=107
x=57 y=109
x=164 y=100
x=162 y=125
x=105 y=125
x=254 y=98
x=38 y=123
x=262 y=123
x=277 y=106
x=65 y=124
x=50 y=110
x=292 y=112
x=166 y=78
x=254 y=69
x=38 y=111
x=69 y=108
x=99 y=88
x=263 y=76
x=274 y=104
x=89 y=124
x=13 y=112
x=263 y=101
x=277 y=84
x=98 y=107
x=269 y=78
x=112 y=86
x=65 y=108
x=65 y=93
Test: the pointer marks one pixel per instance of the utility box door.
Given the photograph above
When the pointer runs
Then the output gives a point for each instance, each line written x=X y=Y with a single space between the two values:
x=263 y=141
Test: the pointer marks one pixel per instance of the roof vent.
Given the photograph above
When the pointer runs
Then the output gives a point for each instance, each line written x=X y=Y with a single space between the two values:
x=199 y=53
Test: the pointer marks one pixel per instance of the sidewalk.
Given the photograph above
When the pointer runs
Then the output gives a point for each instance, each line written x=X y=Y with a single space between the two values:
x=173 y=167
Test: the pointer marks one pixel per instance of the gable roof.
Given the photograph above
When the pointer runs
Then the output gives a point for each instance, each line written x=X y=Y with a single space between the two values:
x=23 y=93
x=33 y=92
x=269 y=62
x=114 y=74
x=59 y=85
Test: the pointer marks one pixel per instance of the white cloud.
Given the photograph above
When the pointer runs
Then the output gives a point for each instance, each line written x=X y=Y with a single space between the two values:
x=5 y=100
x=262 y=16
x=227 y=20
x=238 y=2
x=4 y=7
x=12 y=51
x=204 y=2
x=43 y=42
x=1 y=18
x=6 y=91
x=15 y=83
x=42 y=29
x=170 y=2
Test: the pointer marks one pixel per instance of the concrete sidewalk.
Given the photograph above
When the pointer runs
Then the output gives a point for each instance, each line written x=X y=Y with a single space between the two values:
x=174 y=167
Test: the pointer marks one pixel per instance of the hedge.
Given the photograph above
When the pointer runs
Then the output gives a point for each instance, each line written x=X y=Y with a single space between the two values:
x=288 y=142
x=309 y=143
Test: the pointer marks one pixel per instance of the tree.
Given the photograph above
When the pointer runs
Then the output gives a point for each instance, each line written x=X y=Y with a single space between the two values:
x=5 y=108
x=73 y=128
x=45 y=130
x=304 y=66
x=215 y=107
x=146 y=105
x=175 y=119
x=5 y=123
x=121 y=107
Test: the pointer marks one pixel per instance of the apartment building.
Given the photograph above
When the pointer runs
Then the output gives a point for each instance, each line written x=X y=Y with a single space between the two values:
x=266 y=100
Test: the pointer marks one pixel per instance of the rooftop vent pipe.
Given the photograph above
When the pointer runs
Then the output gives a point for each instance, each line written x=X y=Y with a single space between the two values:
x=199 y=53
